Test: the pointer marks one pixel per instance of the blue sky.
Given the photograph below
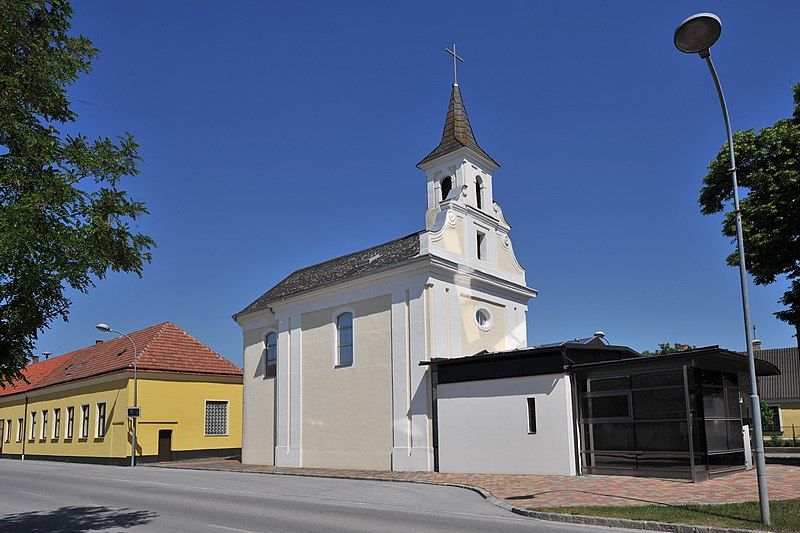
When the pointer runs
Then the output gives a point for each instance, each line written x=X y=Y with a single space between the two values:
x=277 y=135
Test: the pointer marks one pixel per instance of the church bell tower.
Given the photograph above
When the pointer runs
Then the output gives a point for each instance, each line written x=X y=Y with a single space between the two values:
x=463 y=221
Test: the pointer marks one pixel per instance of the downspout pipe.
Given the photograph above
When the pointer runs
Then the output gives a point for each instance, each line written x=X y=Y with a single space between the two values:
x=24 y=428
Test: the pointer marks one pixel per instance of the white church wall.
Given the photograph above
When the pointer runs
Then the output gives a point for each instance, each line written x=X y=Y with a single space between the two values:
x=455 y=332
x=491 y=336
x=413 y=442
x=483 y=426
x=292 y=395
x=347 y=411
x=258 y=410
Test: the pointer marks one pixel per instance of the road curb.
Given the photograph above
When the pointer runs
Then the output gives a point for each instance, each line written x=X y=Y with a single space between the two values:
x=646 y=525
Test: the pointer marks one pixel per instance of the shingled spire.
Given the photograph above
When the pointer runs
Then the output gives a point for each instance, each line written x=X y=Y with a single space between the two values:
x=457 y=131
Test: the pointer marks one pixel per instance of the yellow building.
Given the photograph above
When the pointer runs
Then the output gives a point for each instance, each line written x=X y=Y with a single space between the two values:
x=781 y=393
x=74 y=407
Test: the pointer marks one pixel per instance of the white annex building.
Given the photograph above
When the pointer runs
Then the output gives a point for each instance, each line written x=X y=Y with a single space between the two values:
x=332 y=353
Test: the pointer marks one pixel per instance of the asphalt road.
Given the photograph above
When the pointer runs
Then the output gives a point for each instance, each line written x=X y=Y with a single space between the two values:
x=43 y=496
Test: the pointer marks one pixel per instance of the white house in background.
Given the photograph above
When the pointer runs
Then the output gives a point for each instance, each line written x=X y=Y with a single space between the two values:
x=332 y=353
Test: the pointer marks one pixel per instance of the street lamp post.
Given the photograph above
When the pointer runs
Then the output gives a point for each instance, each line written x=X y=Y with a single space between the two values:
x=696 y=35
x=107 y=329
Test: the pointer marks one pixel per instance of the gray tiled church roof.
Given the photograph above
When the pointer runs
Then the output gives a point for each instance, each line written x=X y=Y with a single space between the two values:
x=337 y=270
x=457 y=131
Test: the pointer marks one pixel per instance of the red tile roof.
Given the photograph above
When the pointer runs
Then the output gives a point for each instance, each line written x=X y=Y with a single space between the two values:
x=161 y=348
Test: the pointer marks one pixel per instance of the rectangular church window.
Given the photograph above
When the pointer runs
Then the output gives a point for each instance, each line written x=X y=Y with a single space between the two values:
x=481 y=245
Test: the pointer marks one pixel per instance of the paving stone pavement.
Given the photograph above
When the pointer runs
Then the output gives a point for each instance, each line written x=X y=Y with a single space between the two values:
x=543 y=491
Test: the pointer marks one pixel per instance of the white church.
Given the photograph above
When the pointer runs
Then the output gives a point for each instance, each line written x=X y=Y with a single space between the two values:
x=412 y=355
x=332 y=352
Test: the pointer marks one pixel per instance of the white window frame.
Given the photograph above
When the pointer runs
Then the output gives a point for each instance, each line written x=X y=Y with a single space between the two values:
x=334 y=324
x=3 y=430
x=43 y=431
x=100 y=430
x=32 y=432
x=56 y=423
x=266 y=361
x=20 y=429
x=439 y=184
x=531 y=401
x=8 y=430
x=490 y=318
x=481 y=246
x=227 y=418
x=85 y=413
x=69 y=432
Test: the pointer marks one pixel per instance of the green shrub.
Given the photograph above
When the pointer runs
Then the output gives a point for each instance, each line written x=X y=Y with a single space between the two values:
x=775 y=440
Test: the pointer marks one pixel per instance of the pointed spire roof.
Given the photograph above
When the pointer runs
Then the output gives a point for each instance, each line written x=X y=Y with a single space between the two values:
x=457 y=131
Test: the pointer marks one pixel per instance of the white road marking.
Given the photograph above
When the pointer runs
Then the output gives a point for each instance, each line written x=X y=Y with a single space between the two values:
x=232 y=528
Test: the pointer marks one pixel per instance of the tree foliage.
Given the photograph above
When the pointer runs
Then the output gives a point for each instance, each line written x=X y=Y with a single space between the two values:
x=665 y=348
x=767 y=415
x=64 y=221
x=768 y=166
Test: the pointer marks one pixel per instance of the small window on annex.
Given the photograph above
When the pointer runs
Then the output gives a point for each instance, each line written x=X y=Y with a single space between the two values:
x=531 y=415
x=271 y=355
x=344 y=339
x=447 y=186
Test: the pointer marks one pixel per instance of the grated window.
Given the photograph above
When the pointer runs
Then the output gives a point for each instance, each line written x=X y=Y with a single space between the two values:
x=216 y=418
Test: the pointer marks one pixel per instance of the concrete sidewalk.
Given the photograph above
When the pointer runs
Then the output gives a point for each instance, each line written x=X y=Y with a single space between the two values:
x=544 y=491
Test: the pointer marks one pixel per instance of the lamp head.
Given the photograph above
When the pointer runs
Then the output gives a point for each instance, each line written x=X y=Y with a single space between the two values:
x=104 y=327
x=696 y=34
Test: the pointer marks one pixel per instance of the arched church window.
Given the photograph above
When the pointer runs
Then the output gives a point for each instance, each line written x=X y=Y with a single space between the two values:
x=447 y=186
x=271 y=356
x=479 y=191
x=344 y=339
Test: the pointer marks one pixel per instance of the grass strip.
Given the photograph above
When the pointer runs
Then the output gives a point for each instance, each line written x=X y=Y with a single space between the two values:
x=785 y=514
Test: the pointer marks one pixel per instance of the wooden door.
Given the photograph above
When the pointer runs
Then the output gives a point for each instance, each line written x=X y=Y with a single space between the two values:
x=165 y=445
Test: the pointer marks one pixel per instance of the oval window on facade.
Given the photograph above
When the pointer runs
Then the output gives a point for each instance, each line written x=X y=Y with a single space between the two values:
x=483 y=319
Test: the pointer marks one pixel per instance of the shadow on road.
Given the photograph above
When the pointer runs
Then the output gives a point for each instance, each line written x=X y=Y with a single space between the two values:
x=75 y=519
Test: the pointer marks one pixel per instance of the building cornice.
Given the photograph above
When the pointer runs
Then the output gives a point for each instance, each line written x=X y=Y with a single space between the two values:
x=116 y=375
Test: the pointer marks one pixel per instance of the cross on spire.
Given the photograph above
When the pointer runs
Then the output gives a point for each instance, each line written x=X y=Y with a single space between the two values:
x=456 y=58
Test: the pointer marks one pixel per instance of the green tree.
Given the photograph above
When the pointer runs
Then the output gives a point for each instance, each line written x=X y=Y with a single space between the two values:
x=665 y=348
x=64 y=221
x=767 y=415
x=768 y=166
